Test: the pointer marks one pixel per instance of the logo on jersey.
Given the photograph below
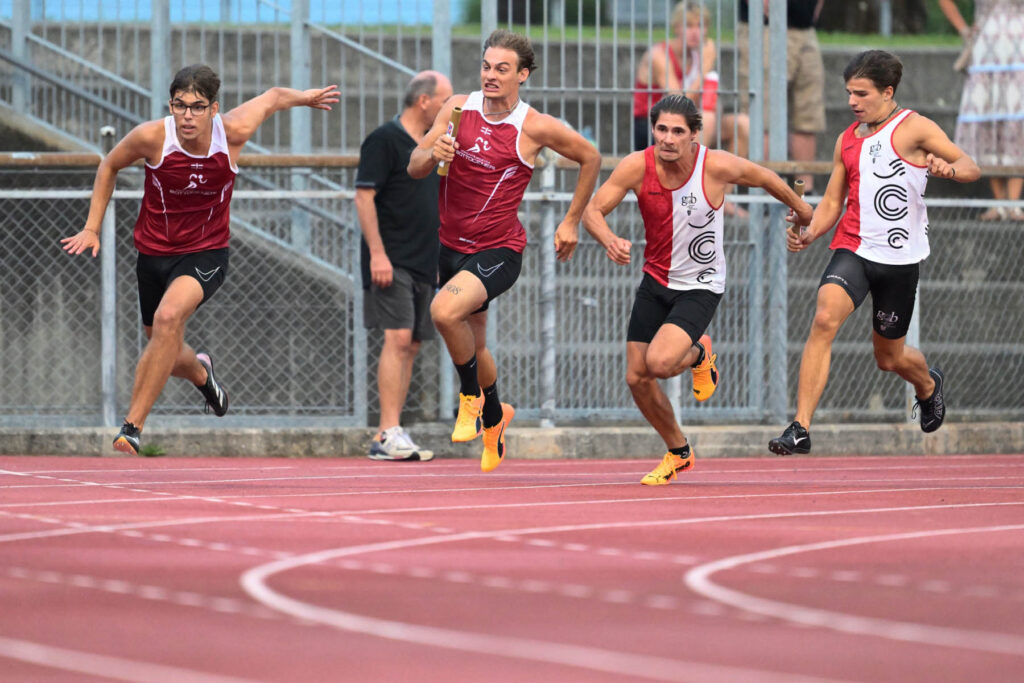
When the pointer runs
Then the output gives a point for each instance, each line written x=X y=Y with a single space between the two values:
x=195 y=180
x=710 y=215
x=897 y=236
x=689 y=201
x=486 y=130
x=481 y=145
x=197 y=166
x=702 y=248
x=897 y=169
x=891 y=202
x=875 y=151
x=704 y=276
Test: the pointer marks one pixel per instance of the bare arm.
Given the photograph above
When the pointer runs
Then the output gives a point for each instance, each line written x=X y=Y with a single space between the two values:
x=546 y=131
x=241 y=123
x=728 y=168
x=628 y=175
x=952 y=13
x=943 y=157
x=435 y=146
x=830 y=207
x=381 y=270
x=142 y=142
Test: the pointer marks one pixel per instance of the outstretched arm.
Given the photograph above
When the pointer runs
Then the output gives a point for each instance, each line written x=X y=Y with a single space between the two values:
x=828 y=210
x=628 y=175
x=143 y=142
x=547 y=131
x=241 y=123
x=729 y=168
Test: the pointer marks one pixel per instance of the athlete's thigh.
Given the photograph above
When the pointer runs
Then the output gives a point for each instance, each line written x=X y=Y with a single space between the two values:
x=669 y=345
x=181 y=298
x=648 y=313
x=893 y=293
x=843 y=286
x=460 y=297
x=636 y=360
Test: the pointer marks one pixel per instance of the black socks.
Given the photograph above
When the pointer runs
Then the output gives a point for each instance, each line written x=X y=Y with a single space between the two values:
x=492 y=406
x=469 y=385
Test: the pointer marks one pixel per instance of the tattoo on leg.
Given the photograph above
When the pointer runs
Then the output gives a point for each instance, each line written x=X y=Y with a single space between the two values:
x=454 y=289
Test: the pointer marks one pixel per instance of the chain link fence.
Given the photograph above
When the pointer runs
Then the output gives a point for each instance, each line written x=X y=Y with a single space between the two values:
x=287 y=336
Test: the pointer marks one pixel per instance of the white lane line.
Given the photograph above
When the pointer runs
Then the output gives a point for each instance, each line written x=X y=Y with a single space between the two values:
x=148 y=470
x=117 y=668
x=690 y=476
x=255 y=582
x=699 y=580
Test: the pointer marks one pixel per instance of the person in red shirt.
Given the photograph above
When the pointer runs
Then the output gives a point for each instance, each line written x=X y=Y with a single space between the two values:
x=183 y=226
x=491 y=160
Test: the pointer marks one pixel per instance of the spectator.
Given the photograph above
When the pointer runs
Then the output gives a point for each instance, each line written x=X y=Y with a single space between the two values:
x=990 y=128
x=805 y=76
x=686 y=64
x=399 y=220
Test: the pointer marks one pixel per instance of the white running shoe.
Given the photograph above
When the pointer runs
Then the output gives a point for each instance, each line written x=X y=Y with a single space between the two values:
x=396 y=444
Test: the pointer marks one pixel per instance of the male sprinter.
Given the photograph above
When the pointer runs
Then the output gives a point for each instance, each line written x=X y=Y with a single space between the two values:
x=880 y=166
x=680 y=188
x=182 y=230
x=482 y=240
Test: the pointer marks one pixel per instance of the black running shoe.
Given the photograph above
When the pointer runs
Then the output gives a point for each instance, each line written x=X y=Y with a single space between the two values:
x=216 y=397
x=795 y=439
x=127 y=440
x=933 y=409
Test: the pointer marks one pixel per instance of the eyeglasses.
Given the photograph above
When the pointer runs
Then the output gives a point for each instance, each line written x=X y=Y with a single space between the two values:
x=197 y=108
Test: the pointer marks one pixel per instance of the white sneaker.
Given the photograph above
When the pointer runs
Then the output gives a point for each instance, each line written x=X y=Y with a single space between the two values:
x=395 y=444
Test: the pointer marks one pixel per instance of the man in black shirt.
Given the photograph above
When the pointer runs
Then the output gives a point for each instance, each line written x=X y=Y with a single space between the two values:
x=399 y=220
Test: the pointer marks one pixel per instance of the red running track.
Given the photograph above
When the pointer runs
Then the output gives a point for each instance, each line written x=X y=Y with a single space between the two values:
x=790 y=569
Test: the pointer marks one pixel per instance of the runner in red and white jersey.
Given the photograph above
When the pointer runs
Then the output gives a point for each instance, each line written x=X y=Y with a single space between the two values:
x=680 y=188
x=182 y=230
x=879 y=167
x=491 y=160
x=185 y=206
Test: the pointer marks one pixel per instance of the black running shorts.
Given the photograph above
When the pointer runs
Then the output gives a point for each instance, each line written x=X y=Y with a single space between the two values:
x=656 y=305
x=893 y=289
x=155 y=274
x=497 y=268
x=404 y=305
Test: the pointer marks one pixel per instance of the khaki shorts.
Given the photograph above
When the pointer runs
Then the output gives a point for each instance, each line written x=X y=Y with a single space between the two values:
x=805 y=77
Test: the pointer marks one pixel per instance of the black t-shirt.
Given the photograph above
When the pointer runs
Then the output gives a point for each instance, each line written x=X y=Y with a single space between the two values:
x=799 y=13
x=406 y=208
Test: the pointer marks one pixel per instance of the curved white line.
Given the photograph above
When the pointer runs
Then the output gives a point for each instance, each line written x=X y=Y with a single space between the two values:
x=116 y=668
x=595 y=659
x=254 y=582
x=699 y=581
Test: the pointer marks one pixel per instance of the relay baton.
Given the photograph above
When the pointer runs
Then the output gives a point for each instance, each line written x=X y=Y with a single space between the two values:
x=453 y=129
x=798 y=187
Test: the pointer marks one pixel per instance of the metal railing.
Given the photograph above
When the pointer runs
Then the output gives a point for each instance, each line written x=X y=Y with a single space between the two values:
x=287 y=332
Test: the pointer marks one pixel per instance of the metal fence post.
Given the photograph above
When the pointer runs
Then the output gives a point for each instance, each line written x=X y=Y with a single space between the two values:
x=548 y=290
x=21 y=26
x=488 y=17
x=108 y=289
x=159 y=56
x=441 y=37
x=775 y=349
x=755 y=225
x=300 y=118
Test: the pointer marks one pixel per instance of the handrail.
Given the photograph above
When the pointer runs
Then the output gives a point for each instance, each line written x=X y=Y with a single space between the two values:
x=73 y=89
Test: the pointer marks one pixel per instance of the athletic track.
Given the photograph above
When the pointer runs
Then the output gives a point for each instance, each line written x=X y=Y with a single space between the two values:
x=762 y=569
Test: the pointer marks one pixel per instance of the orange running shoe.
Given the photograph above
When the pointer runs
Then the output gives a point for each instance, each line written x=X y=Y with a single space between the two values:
x=469 y=424
x=494 y=440
x=705 y=375
x=667 y=470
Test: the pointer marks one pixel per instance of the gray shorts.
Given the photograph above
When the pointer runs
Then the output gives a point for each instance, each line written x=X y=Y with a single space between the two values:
x=405 y=305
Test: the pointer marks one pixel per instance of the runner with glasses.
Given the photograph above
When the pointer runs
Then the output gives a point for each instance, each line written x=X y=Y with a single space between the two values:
x=182 y=230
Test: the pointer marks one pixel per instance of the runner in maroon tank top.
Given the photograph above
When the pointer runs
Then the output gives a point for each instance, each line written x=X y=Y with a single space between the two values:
x=183 y=226
x=482 y=240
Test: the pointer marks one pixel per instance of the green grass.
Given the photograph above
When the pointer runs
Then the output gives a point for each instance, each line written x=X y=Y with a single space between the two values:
x=152 y=450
